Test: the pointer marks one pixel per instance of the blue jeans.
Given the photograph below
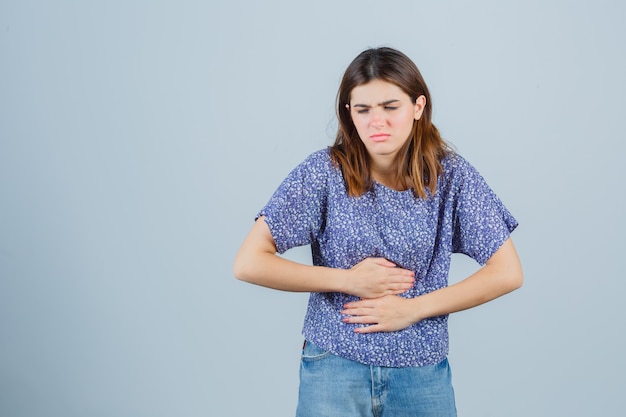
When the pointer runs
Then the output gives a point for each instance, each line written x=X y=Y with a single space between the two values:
x=331 y=386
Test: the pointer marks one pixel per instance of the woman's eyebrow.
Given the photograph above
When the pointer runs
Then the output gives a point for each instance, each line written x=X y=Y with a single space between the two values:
x=384 y=103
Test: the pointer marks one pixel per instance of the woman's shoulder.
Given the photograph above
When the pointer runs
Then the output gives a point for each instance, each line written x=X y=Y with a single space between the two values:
x=319 y=160
x=454 y=164
x=321 y=156
x=458 y=172
x=316 y=167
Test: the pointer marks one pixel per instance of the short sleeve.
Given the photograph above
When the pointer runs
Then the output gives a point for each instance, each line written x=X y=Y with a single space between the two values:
x=296 y=210
x=481 y=222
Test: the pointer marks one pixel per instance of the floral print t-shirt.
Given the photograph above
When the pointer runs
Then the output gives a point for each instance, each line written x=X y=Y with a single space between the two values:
x=312 y=207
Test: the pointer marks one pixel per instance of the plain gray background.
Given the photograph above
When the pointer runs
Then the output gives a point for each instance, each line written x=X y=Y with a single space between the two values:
x=139 y=138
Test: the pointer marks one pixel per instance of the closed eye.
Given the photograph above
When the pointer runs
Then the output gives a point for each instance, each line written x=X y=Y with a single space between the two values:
x=386 y=105
x=366 y=110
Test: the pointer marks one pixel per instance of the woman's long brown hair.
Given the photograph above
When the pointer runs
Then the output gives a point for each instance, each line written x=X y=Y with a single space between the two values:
x=419 y=161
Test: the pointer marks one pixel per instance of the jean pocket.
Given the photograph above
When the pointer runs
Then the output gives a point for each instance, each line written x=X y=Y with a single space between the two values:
x=312 y=352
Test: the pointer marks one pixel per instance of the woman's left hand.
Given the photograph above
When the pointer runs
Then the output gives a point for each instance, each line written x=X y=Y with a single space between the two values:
x=501 y=274
x=384 y=314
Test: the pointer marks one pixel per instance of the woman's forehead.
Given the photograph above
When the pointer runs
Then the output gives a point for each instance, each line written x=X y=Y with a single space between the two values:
x=377 y=91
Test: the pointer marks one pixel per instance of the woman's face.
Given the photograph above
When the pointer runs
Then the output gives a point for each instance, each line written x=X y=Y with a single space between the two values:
x=383 y=115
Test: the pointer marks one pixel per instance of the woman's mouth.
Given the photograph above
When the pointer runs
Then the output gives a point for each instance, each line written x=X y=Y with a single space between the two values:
x=379 y=137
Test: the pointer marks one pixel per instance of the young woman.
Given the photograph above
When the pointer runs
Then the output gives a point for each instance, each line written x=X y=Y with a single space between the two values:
x=383 y=209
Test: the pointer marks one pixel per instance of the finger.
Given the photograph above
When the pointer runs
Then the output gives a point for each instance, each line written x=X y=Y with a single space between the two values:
x=401 y=278
x=401 y=285
x=356 y=312
x=360 y=320
x=398 y=289
x=369 y=329
x=404 y=273
x=384 y=262
x=365 y=303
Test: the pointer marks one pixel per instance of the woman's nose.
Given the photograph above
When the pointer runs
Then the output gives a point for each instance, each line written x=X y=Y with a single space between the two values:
x=378 y=117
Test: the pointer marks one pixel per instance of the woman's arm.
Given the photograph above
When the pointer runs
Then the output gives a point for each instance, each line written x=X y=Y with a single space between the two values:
x=501 y=274
x=257 y=263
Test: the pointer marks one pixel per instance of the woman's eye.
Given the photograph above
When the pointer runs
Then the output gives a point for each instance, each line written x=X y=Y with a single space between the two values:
x=363 y=111
x=391 y=107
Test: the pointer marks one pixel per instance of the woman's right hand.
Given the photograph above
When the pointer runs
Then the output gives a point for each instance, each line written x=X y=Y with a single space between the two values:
x=377 y=277
x=257 y=263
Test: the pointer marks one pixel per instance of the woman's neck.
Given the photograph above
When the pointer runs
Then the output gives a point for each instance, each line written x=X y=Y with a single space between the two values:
x=385 y=174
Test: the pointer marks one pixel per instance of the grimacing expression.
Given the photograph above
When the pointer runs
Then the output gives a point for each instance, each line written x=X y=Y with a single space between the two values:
x=383 y=115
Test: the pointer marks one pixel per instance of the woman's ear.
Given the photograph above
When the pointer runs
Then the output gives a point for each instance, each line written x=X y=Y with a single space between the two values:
x=420 y=104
